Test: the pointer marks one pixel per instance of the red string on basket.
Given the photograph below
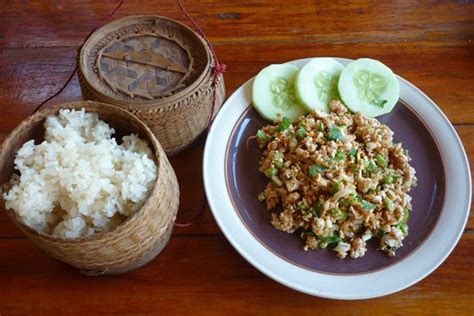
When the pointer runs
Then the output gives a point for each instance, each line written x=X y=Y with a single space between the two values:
x=219 y=69
x=104 y=19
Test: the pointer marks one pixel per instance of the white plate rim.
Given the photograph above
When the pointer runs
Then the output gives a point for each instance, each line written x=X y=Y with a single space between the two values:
x=444 y=237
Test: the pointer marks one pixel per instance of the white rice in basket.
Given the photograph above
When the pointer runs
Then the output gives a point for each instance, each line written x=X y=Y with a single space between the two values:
x=79 y=181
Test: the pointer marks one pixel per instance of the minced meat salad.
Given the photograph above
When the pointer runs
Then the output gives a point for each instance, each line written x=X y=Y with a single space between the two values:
x=338 y=180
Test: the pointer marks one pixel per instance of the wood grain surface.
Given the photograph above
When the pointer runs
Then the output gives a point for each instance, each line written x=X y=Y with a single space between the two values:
x=430 y=43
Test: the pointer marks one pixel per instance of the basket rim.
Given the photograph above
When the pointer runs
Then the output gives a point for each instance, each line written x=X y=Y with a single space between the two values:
x=42 y=114
x=133 y=19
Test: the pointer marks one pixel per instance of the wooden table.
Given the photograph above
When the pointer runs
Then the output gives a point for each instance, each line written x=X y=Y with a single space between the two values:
x=428 y=43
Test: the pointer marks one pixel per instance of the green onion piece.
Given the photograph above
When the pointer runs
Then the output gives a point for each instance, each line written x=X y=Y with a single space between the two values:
x=270 y=172
x=406 y=216
x=354 y=199
x=302 y=205
x=344 y=202
x=262 y=196
x=381 y=161
x=317 y=210
x=396 y=176
x=371 y=167
x=403 y=228
x=285 y=124
x=340 y=155
x=343 y=216
x=262 y=136
x=323 y=244
x=315 y=169
x=334 y=188
x=278 y=160
x=389 y=204
x=388 y=180
x=320 y=126
x=302 y=132
x=367 y=205
x=277 y=181
x=335 y=134
x=338 y=214
x=353 y=153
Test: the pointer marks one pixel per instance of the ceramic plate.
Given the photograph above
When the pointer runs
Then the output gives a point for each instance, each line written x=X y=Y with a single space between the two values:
x=441 y=202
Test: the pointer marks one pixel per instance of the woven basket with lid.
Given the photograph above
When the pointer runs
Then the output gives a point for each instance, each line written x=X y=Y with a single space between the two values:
x=156 y=68
x=134 y=242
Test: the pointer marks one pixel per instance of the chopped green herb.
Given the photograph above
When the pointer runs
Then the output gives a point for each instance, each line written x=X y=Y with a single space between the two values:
x=284 y=125
x=308 y=232
x=262 y=196
x=340 y=155
x=335 y=133
x=262 y=136
x=331 y=241
x=388 y=180
x=367 y=205
x=381 y=161
x=270 y=172
x=381 y=233
x=380 y=103
x=278 y=160
x=315 y=169
x=317 y=210
x=302 y=132
x=334 y=188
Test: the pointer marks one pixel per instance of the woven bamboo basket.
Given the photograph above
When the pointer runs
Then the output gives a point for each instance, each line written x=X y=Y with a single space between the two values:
x=138 y=239
x=156 y=68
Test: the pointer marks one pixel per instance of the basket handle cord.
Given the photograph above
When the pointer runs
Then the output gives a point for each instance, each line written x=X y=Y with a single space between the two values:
x=219 y=68
x=104 y=19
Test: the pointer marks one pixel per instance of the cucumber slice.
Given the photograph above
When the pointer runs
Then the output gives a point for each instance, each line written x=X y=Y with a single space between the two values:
x=273 y=92
x=369 y=87
x=316 y=83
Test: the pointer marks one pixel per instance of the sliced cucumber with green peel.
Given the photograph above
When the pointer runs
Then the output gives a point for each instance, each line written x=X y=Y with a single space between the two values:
x=316 y=83
x=273 y=92
x=369 y=87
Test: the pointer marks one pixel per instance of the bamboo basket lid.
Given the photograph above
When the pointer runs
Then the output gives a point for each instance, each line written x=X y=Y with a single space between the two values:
x=158 y=69
x=142 y=60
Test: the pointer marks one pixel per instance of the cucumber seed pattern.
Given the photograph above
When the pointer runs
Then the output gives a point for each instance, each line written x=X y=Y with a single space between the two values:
x=370 y=86
x=326 y=86
x=283 y=93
